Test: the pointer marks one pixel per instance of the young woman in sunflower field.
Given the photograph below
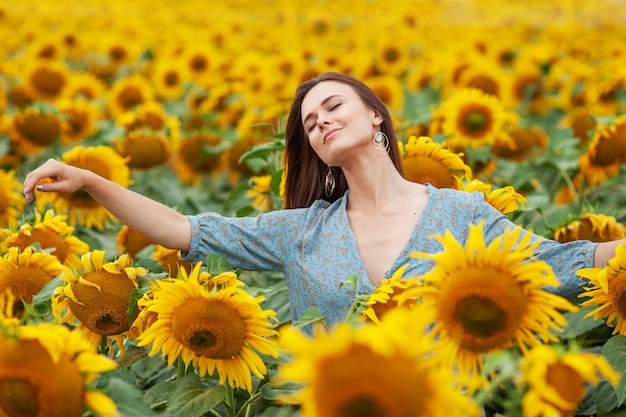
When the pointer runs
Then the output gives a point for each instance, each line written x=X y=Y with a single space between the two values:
x=348 y=209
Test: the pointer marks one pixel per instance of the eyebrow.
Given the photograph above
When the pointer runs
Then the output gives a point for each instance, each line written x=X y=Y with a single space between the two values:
x=308 y=116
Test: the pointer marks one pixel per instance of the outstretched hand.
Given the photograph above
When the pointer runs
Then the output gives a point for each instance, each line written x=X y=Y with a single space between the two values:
x=65 y=179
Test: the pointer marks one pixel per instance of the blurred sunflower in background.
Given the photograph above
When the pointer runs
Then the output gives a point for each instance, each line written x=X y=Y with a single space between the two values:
x=96 y=299
x=12 y=201
x=596 y=227
x=48 y=370
x=425 y=161
x=32 y=130
x=223 y=330
x=79 y=206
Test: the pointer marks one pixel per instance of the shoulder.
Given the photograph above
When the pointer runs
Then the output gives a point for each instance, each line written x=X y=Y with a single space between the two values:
x=450 y=195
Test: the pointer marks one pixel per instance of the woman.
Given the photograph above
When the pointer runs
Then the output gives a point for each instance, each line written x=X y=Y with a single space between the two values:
x=349 y=209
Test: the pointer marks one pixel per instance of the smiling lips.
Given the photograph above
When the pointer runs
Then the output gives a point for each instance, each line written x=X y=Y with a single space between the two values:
x=329 y=133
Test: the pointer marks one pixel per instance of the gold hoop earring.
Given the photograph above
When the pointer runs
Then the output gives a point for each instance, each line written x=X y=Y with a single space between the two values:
x=381 y=143
x=329 y=184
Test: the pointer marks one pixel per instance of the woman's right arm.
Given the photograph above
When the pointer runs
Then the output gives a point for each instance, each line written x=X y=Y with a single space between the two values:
x=156 y=221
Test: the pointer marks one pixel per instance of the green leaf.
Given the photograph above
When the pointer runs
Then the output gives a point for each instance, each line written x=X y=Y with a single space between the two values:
x=606 y=399
x=614 y=350
x=42 y=301
x=309 y=316
x=351 y=280
x=284 y=411
x=578 y=325
x=135 y=295
x=217 y=264
x=158 y=395
x=190 y=399
x=276 y=393
x=263 y=150
x=128 y=399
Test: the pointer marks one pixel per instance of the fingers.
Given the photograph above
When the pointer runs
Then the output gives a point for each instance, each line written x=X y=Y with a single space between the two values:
x=47 y=170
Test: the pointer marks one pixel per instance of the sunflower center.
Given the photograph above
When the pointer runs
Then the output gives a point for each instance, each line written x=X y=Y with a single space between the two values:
x=617 y=292
x=608 y=152
x=145 y=150
x=130 y=98
x=104 y=311
x=172 y=79
x=39 y=129
x=486 y=84
x=482 y=307
x=566 y=381
x=24 y=281
x=16 y=397
x=199 y=64
x=27 y=375
x=209 y=328
x=423 y=169
x=390 y=387
x=46 y=239
x=475 y=121
x=361 y=406
x=48 y=82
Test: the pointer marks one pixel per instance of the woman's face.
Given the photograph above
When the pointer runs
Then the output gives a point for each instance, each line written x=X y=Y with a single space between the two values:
x=337 y=121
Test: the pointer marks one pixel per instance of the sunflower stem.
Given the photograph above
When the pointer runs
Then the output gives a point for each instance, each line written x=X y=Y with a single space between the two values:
x=483 y=396
x=180 y=368
x=230 y=401
x=246 y=406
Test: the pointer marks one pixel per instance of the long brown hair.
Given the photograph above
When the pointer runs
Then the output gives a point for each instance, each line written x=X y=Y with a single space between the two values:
x=306 y=172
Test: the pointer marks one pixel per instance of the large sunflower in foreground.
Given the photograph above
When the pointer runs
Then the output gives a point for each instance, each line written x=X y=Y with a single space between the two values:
x=607 y=291
x=390 y=369
x=223 y=329
x=472 y=118
x=596 y=227
x=26 y=272
x=506 y=200
x=97 y=298
x=384 y=297
x=557 y=381
x=80 y=207
x=426 y=161
x=485 y=298
x=47 y=370
x=51 y=232
x=12 y=201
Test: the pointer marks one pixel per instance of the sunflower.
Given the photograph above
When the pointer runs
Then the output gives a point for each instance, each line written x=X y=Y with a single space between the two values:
x=581 y=122
x=485 y=298
x=224 y=329
x=192 y=161
x=126 y=93
x=171 y=260
x=33 y=130
x=392 y=369
x=81 y=116
x=85 y=85
x=96 y=298
x=473 y=118
x=11 y=199
x=505 y=199
x=150 y=115
x=144 y=148
x=384 y=298
x=389 y=89
x=607 y=290
x=199 y=59
x=606 y=152
x=525 y=143
x=169 y=77
x=487 y=77
x=596 y=227
x=51 y=233
x=80 y=206
x=45 y=80
x=426 y=161
x=24 y=273
x=48 y=370
x=130 y=242
x=556 y=381
x=260 y=192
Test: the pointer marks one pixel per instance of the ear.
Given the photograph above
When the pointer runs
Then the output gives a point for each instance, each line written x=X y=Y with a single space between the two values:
x=378 y=118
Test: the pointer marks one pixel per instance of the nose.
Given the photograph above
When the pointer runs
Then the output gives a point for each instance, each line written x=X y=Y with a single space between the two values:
x=322 y=123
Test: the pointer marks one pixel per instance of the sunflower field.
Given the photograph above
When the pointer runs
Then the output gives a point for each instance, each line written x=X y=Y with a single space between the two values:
x=186 y=102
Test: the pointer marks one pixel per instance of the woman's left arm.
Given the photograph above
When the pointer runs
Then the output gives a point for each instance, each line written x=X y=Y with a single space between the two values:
x=605 y=251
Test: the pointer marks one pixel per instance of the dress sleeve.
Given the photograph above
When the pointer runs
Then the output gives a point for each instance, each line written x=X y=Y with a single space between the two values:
x=261 y=243
x=564 y=258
